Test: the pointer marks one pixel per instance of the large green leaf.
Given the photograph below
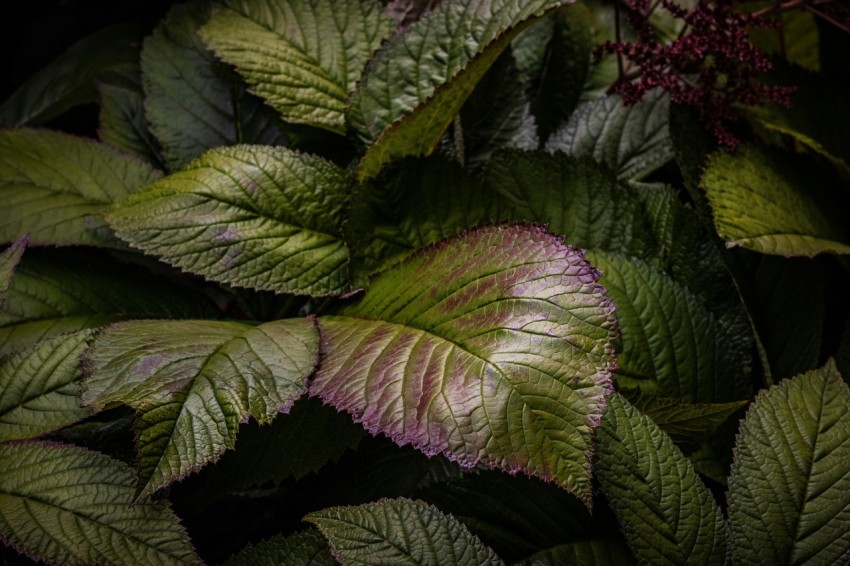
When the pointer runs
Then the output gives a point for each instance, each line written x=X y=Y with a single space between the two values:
x=302 y=57
x=671 y=343
x=414 y=86
x=305 y=548
x=789 y=490
x=193 y=382
x=399 y=531
x=250 y=216
x=494 y=347
x=632 y=140
x=39 y=387
x=56 y=187
x=69 y=80
x=774 y=203
x=191 y=101
x=666 y=513
x=68 y=505
x=9 y=259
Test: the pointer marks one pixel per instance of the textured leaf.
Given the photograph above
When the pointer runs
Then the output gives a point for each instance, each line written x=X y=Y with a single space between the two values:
x=515 y=516
x=55 y=187
x=250 y=216
x=773 y=203
x=69 y=80
x=577 y=198
x=68 y=505
x=417 y=82
x=667 y=515
x=193 y=382
x=59 y=291
x=796 y=40
x=593 y=552
x=294 y=445
x=305 y=548
x=405 y=12
x=123 y=124
x=685 y=423
x=302 y=57
x=789 y=490
x=493 y=347
x=396 y=531
x=9 y=259
x=632 y=140
x=670 y=342
x=39 y=387
x=191 y=102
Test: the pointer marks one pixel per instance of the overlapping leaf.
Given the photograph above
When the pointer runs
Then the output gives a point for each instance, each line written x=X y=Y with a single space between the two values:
x=302 y=57
x=123 y=124
x=398 y=531
x=250 y=216
x=667 y=515
x=305 y=548
x=9 y=259
x=632 y=140
x=414 y=86
x=772 y=203
x=192 y=104
x=68 y=505
x=609 y=550
x=56 y=187
x=39 y=387
x=789 y=491
x=193 y=382
x=493 y=347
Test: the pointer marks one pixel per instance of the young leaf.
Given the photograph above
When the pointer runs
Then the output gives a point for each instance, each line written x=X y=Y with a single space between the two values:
x=302 y=57
x=492 y=347
x=123 y=124
x=789 y=490
x=667 y=515
x=193 y=382
x=69 y=80
x=56 y=187
x=670 y=342
x=305 y=548
x=9 y=259
x=414 y=86
x=772 y=203
x=39 y=387
x=397 y=531
x=632 y=140
x=191 y=103
x=68 y=505
x=249 y=216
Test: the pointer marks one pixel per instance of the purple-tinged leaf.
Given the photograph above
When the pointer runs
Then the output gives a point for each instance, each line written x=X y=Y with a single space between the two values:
x=495 y=347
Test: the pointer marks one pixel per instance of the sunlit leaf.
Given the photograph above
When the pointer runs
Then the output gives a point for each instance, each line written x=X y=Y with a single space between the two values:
x=492 y=347
x=789 y=491
x=68 y=505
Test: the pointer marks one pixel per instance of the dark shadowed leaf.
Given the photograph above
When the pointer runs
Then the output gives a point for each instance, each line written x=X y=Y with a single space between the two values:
x=193 y=382
x=123 y=124
x=305 y=548
x=399 y=531
x=56 y=187
x=592 y=552
x=492 y=347
x=414 y=86
x=9 y=259
x=667 y=515
x=68 y=505
x=250 y=216
x=789 y=490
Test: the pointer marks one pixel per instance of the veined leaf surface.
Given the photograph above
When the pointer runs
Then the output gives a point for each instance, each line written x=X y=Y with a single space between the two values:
x=304 y=548
x=250 y=216
x=414 y=86
x=771 y=203
x=493 y=347
x=609 y=550
x=122 y=120
x=68 y=505
x=39 y=387
x=667 y=515
x=400 y=531
x=56 y=187
x=789 y=490
x=193 y=382
x=302 y=57
x=9 y=259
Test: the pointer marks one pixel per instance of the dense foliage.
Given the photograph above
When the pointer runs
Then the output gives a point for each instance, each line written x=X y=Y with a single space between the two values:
x=408 y=282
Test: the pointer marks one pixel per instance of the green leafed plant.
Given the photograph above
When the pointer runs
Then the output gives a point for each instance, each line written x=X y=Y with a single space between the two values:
x=399 y=282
